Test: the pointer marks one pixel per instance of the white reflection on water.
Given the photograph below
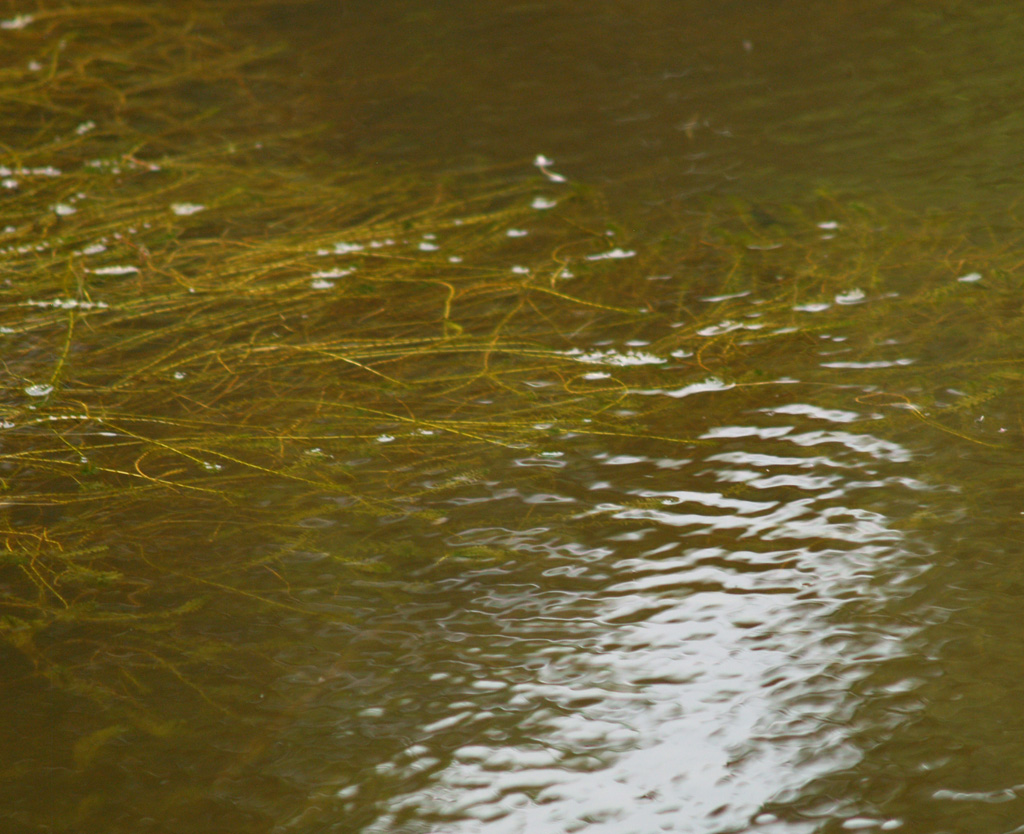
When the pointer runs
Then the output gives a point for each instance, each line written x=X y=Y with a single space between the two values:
x=717 y=668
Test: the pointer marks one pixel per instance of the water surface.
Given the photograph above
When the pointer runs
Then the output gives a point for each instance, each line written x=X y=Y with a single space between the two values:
x=723 y=537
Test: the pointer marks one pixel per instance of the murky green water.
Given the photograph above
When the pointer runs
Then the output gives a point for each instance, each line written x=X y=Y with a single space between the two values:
x=722 y=534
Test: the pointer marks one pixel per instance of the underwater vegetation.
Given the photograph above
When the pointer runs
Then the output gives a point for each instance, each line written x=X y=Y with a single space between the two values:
x=211 y=329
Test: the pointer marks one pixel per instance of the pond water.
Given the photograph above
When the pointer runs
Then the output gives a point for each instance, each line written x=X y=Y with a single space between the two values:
x=750 y=560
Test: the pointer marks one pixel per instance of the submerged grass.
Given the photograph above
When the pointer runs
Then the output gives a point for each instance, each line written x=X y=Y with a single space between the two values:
x=207 y=338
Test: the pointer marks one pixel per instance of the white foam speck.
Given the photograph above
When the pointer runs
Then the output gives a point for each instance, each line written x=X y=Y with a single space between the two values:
x=185 y=209
x=66 y=304
x=114 y=270
x=614 y=357
x=727 y=326
x=17 y=22
x=895 y=363
x=42 y=171
x=707 y=386
x=851 y=297
x=859 y=823
x=332 y=273
x=542 y=162
x=346 y=248
x=38 y=390
x=614 y=254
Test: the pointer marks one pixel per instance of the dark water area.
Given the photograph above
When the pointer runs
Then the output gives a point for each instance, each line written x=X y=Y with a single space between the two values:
x=772 y=583
x=671 y=100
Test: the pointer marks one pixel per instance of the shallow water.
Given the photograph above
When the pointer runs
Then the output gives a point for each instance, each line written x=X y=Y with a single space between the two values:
x=777 y=599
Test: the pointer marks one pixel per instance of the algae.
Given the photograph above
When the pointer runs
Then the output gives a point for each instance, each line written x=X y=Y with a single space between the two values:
x=209 y=333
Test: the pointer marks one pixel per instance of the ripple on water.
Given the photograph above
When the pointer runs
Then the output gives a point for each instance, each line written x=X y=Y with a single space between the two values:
x=685 y=652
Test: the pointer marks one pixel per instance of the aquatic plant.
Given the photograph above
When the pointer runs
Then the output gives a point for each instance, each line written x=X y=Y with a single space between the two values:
x=210 y=337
